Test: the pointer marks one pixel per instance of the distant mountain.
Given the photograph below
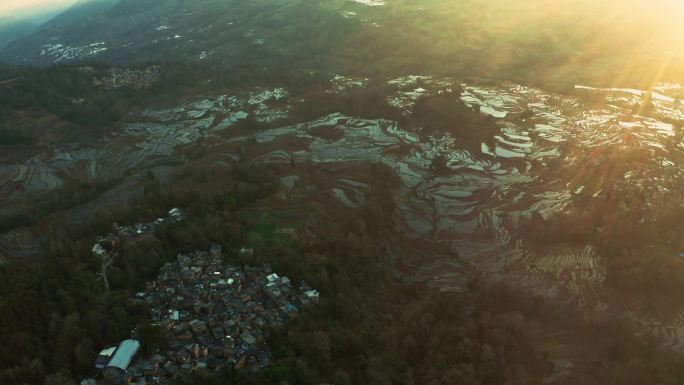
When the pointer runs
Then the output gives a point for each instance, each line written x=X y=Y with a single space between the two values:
x=522 y=40
x=12 y=29
x=28 y=48
x=188 y=30
x=82 y=11
x=40 y=14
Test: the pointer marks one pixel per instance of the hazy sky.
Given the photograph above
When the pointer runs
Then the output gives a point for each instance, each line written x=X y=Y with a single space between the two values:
x=28 y=8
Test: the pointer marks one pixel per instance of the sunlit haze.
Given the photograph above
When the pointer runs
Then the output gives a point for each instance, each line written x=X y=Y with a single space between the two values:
x=390 y=192
x=28 y=8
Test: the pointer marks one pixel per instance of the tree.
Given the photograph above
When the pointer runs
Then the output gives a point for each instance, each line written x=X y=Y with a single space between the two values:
x=342 y=378
x=151 y=338
x=83 y=355
x=59 y=378
x=439 y=165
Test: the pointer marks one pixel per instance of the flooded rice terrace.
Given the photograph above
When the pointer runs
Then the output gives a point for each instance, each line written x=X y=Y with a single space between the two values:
x=546 y=147
x=151 y=140
x=475 y=208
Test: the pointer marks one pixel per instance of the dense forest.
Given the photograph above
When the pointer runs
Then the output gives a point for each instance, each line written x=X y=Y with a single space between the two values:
x=383 y=317
x=57 y=90
x=368 y=328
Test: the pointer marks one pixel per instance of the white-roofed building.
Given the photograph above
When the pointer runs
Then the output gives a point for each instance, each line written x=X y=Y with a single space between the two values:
x=312 y=295
x=104 y=356
x=273 y=277
x=175 y=214
x=98 y=250
x=124 y=355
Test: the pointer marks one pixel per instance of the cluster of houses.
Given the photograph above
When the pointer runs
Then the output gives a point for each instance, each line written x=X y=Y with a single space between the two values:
x=106 y=245
x=125 y=77
x=213 y=315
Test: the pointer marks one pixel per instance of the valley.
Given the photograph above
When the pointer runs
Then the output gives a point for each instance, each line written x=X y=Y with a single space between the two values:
x=460 y=207
x=483 y=192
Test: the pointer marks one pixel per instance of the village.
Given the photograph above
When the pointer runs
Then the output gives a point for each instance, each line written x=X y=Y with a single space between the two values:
x=123 y=77
x=213 y=315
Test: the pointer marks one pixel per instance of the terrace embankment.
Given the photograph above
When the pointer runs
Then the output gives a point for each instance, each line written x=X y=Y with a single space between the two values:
x=531 y=203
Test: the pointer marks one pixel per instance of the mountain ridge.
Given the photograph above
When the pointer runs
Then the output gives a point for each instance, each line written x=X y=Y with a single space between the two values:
x=12 y=28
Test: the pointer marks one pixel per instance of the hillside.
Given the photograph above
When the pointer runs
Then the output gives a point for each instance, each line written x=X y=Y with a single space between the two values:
x=471 y=192
x=531 y=43
x=12 y=29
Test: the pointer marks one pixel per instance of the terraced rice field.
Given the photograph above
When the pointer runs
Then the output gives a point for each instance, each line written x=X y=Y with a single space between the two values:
x=546 y=145
x=151 y=142
x=476 y=207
